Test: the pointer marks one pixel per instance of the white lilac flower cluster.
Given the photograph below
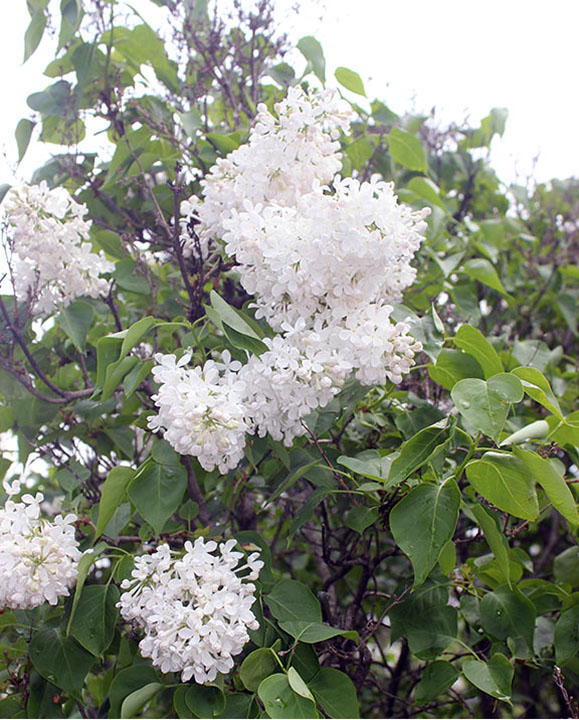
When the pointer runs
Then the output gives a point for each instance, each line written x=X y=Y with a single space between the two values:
x=194 y=608
x=53 y=262
x=38 y=558
x=325 y=266
x=201 y=410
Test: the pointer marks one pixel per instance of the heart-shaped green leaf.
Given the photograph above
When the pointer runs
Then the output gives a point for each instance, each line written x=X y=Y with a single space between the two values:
x=485 y=403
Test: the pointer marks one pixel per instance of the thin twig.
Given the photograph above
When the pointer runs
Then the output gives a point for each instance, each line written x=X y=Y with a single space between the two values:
x=326 y=459
x=15 y=330
x=194 y=491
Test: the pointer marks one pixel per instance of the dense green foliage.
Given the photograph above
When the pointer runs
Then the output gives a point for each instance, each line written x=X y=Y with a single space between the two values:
x=421 y=541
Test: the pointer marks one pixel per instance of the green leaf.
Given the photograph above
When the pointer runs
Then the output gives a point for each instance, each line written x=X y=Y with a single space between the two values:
x=505 y=482
x=499 y=118
x=143 y=46
x=156 y=491
x=55 y=100
x=115 y=374
x=234 y=323
x=407 y=150
x=62 y=131
x=566 y=638
x=258 y=665
x=506 y=612
x=414 y=453
x=485 y=404
x=423 y=522
x=566 y=432
x=311 y=49
x=243 y=342
x=60 y=659
x=283 y=74
x=495 y=539
x=84 y=565
x=134 y=702
x=536 y=385
x=483 y=271
x=292 y=478
x=452 y=366
x=313 y=632
x=290 y=600
x=93 y=623
x=281 y=701
x=71 y=15
x=298 y=685
x=369 y=464
x=113 y=493
x=23 y=134
x=75 y=320
x=410 y=422
x=382 y=114
x=231 y=316
x=552 y=483
x=494 y=678
x=436 y=679
x=350 y=80
x=360 y=151
x=4 y=187
x=427 y=190
x=44 y=700
x=205 y=701
x=429 y=623
x=126 y=274
x=107 y=349
x=335 y=693
x=82 y=60
x=238 y=705
x=133 y=379
x=224 y=143
x=567 y=304
x=135 y=333
x=447 y=558
x=305 y=660
x=473 y=342
x=34 y=33
x=192 y=121
x=566 y=566
x=360 y=517
x=126 y=682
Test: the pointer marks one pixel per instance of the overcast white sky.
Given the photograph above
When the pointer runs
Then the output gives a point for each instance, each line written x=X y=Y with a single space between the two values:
x=462 y=57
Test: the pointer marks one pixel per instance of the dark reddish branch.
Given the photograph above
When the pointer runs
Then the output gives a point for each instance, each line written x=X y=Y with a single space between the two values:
x=64 y=395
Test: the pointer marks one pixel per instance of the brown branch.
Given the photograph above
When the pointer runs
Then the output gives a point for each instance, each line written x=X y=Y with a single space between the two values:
x=194 y=491
x=569 y=700
x=29 y=387
x=396 y=677
x=15 y=330
x=108 y=300
x=326 y=459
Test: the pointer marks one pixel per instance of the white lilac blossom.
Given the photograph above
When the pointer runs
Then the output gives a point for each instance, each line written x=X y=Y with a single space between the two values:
x=194 y=608
x=201 y=410
x=282 y=158
x=297 y=374
x=38 y=558
x=325 y=265
x=52 y=258
x=329 y=255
